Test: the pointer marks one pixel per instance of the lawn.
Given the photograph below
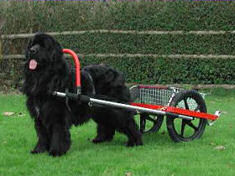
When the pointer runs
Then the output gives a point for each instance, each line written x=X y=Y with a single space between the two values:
x=159 y=155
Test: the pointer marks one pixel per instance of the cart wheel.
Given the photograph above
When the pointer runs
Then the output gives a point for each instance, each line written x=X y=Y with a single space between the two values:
x=150 y=123
x=181 y=130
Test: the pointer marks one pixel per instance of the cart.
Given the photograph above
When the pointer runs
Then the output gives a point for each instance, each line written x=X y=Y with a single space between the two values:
x=185 y=110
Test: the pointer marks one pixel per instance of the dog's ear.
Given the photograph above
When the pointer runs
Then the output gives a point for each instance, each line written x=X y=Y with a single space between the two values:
x=114 y=77
x=57 y=52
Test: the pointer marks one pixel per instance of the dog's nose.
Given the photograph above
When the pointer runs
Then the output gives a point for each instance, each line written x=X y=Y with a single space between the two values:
x=34 y=49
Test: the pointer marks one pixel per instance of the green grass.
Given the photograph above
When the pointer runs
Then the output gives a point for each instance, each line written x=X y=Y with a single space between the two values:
x=159 y=155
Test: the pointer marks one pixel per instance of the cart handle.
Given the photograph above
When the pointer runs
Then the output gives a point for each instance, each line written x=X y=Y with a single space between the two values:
x=77 y=68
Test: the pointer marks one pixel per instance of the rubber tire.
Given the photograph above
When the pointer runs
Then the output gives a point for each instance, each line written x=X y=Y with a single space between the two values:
x=202 y=122
x=156 y=125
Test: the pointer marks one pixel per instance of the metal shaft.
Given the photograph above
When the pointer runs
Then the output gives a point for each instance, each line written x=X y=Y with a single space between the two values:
x=137 y=108
x=126 y=106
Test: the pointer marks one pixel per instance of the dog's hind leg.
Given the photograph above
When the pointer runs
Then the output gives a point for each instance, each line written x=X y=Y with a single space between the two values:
x=131 y=140
x=133 y=134
x=132 y=127
x=43 y=140
x=104 y=133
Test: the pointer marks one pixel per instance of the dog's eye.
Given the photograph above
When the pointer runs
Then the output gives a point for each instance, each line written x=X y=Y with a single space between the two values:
x=34 y=49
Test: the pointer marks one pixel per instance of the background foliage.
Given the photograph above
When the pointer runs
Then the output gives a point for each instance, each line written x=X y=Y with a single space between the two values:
x=30 y=17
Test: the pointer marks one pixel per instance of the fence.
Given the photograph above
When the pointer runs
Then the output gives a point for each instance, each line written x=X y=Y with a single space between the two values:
x=14 y=57
x=192 y=56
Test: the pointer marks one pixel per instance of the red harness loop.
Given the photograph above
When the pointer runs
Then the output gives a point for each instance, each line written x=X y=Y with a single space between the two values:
x=77 y=68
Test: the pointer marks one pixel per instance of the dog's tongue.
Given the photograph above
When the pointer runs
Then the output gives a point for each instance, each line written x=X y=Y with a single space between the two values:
x=33 y=64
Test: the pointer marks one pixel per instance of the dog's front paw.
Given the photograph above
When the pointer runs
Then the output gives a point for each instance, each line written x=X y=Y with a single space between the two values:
x=101 y=139
x=55 y=153
x=130 y=144
x=38 y=150
x=139 y=142
x=98 y=140
x=59 y=151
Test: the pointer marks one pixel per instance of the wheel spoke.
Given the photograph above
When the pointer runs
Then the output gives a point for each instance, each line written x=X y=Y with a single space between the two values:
x=142 y=124
x=182 y=127
x=186 y=103
x=150 y=119
x=150 y=123
x=197 y=108
x=189 y=123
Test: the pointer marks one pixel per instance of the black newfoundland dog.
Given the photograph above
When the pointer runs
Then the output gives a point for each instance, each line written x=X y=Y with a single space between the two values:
x=47 y=71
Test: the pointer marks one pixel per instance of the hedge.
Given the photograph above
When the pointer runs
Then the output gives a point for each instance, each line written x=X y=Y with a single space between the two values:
x=163 y=16
x=184 y=71
x=62 y=16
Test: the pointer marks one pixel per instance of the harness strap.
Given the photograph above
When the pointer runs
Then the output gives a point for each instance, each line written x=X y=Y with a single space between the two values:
x=67 y=100
x=92 y=86
x=92 y=82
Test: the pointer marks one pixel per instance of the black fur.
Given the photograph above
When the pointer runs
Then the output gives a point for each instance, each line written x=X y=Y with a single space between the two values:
x=53 y=118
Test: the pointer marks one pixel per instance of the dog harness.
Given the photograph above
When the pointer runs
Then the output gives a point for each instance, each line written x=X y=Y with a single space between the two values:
x=90 y=79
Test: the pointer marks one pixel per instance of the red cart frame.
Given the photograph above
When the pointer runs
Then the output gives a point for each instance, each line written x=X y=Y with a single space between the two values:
x=158 y=110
